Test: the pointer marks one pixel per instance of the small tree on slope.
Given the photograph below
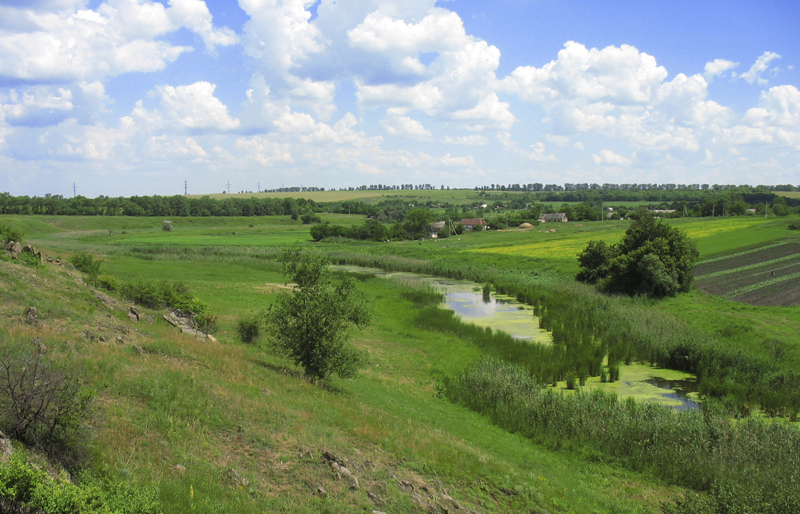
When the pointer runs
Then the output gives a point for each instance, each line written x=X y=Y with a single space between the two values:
x=312 y=324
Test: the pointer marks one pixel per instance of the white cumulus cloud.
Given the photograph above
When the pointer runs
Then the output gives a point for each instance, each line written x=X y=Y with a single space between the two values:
x=609 y=157
x=71 y=43
x=396 y=124
x=753 y=75
x=717 y=67
x=195 y=107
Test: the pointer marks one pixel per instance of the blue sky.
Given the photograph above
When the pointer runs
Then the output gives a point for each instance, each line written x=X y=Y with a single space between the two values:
x=134 y=97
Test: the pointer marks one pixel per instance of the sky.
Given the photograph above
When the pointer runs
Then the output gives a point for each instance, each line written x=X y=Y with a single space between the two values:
x=144 y=97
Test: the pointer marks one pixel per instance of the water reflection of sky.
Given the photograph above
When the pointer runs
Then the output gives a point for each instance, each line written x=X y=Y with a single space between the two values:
x=667 y=387
x=466 y=299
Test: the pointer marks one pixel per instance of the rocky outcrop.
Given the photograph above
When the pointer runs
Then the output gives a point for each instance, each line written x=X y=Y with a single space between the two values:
x=186 y=323
x=31 y=317
x=15 y=248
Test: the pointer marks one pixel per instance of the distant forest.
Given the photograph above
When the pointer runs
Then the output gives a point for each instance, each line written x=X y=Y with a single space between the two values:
x=714 y=199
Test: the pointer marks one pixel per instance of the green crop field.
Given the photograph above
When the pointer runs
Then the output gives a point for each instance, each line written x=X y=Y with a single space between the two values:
x=230 y=427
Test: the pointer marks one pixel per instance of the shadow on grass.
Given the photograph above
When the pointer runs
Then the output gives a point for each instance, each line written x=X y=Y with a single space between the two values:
x=326 y=385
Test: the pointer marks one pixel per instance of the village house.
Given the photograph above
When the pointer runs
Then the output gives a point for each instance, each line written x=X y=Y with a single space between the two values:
x=558 y=217
x=435 y=227
x=474 y=224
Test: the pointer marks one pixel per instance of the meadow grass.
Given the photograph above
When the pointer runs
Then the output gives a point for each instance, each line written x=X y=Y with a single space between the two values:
x=168 y=399
x=216 y=407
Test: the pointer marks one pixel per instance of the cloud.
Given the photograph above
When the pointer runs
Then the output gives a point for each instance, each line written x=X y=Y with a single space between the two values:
x=609 y=157
x=470 y=140
x=195 y=107
x=622 y=94
x=538 y=153
x=263 y=151
x=194 y=15
x=717 y=67
x=62 y=41
x=449 y=160
x=441 y=30
x=38 y=106
x=489 y=110
x=425 y=97
x=776 y=121
x=556 y=139
x=621 y=75
x=279 y=35
x=396 y=124
x=753 y=75
x=459 y=82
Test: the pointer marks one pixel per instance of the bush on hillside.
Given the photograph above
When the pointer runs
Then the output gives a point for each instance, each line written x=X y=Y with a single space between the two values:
x=44 y=404
x=25 y=488
x=85 y=263
x=249 y=328
x=8 y=233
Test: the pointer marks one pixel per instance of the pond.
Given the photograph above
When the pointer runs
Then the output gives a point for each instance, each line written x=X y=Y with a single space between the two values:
x=466 y=299
x=667 y=387
x=674 y=389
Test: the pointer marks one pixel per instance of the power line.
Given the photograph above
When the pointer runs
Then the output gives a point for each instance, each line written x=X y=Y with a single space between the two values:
x=185 y=188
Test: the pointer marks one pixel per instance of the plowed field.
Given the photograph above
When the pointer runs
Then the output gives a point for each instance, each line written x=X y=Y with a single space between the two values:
x=764 y=276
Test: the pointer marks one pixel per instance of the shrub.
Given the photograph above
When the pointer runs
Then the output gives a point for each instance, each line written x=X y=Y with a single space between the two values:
x=108 y=283
x=310 y=218
x=248 y=328
x=10 y=234
x=206 y=323
x=793 y=225
x=25 y=488
x=44 y=404
x=167 y=227
x=86 y=264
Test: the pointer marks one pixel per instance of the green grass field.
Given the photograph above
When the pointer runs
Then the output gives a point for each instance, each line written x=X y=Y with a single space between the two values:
x=169 y=399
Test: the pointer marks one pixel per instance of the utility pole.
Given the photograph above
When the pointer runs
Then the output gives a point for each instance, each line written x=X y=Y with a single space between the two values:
x=229 y=187
x=766 y=206
x=74 y=190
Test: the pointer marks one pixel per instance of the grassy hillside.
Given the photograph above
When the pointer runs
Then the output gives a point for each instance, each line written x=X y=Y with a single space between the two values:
x=229 y=427
x=167 y=399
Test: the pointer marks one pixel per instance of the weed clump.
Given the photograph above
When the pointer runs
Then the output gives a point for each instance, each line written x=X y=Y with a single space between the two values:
x=248 y=328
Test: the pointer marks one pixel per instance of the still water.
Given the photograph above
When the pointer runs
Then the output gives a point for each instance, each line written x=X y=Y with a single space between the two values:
x=670 y=388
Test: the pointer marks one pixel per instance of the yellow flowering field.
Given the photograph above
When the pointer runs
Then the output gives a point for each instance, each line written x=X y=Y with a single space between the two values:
x=712 y=236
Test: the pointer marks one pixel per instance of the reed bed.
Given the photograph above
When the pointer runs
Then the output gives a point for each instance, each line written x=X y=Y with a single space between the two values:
x=748 y=466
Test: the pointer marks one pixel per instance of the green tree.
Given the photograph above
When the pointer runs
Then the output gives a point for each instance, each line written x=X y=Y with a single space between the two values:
x=312 y=324
x=417 y=221
x=653 y=259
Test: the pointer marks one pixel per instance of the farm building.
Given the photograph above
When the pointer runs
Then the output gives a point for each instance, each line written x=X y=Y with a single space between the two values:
x=474 y=224
x=435 y=227
x=558 y=217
